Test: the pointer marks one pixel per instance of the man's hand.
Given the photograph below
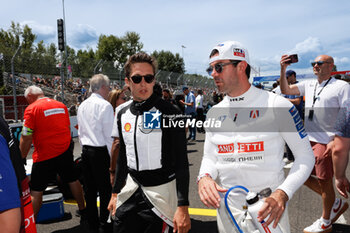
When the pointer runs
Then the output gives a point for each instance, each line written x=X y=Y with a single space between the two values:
x=274 y=206
x=328 y=151
x=182 y=221
x=112 y=204
x=284 y=61
x=25 y=144
x=208 y=192
x=343 y=186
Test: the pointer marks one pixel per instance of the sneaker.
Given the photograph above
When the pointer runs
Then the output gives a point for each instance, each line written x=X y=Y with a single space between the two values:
x=318 y=226
x=339 y=207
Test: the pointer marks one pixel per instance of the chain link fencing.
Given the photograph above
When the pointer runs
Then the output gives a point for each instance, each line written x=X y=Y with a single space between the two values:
x=46 y=75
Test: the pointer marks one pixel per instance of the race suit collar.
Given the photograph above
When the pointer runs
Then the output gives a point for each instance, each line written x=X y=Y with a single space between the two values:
x=140 y=107
x=242 y=99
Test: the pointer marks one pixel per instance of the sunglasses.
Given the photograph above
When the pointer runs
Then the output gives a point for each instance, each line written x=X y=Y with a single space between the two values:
x=219 y=66
x=319 y=63
x=138 y=78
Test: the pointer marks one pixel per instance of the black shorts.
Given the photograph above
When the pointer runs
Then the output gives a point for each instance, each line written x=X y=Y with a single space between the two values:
x=43 y=171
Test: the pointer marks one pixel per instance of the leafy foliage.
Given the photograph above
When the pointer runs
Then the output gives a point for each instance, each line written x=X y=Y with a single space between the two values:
x=167 y=61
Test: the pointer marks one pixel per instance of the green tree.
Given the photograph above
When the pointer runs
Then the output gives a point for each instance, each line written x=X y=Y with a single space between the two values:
x=117 y=49
x=167 y=61
x=85 y=63
x=26 y=54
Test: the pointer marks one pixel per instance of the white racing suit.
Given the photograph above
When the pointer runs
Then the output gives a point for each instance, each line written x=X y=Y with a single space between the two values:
x=247 y=149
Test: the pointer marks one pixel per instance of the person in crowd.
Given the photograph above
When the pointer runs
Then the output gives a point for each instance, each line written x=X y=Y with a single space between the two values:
x=152 y=173
x=277 y=88
x=297 y=101
x=190 y=110
x=167 y=96
x=215 y=97
x=341 y=148
x=116 y=97
x=179 y=100
x=323 y=98
x=274 y=85
x=157 y=89
x=10 y=212
x=247 y=149
x=46 y=125
x=200 y=110
x=95 y=120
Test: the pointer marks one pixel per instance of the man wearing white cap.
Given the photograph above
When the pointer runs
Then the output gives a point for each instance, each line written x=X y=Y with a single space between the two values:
x=248 y=147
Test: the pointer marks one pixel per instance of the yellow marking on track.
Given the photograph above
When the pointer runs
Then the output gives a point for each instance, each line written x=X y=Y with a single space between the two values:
x=192 y=211
x=202 y=212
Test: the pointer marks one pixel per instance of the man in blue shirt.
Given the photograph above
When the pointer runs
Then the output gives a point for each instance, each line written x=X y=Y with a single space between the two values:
x=190 y=109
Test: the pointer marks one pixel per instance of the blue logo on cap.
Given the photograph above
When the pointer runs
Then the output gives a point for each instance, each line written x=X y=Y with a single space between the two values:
x=151 y=120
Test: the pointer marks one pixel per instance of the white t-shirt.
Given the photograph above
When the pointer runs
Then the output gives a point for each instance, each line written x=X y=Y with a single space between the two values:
x=326 y=107
x=199 y=101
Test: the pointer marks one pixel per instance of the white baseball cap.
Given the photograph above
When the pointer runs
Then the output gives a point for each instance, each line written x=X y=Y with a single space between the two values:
x=230 y=50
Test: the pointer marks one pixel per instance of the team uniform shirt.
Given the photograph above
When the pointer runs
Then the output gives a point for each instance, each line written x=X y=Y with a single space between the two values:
x=247 y=149
x=156 y=159
x=342 y=125
x=49 y=121
x=326 y=107
x=115 y=132
x=199 y=101
x=95 y=121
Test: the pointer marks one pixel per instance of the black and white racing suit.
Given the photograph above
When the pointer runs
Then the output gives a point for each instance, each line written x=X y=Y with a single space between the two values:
x=153 y=159
x=248 y=149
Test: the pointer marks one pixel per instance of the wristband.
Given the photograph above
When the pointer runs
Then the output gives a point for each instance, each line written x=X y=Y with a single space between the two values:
x=203 y=175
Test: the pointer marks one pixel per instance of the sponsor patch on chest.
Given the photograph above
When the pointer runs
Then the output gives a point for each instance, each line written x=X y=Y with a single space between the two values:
x=247 y=152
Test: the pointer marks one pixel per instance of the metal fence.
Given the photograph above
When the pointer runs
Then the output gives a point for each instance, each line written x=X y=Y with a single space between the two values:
x=48 y=78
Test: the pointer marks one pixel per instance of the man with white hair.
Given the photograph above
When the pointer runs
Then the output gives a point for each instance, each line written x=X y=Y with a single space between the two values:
x=95 y=120
x=46 y=124
x=248 y=147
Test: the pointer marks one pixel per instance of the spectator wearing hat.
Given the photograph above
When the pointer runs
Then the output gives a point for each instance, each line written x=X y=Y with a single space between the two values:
x=229 y=155
x=190 y=110
x=323 y=98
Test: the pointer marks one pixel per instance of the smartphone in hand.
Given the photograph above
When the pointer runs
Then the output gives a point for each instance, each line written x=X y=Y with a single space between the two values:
x=293 y=58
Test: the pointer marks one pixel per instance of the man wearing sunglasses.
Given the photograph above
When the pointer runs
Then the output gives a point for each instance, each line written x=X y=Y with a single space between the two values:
x=248 y=147
x=323 y=98
x=150 y=192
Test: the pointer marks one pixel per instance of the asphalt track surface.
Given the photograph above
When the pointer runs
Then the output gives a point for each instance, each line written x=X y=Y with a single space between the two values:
x=304 y=208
